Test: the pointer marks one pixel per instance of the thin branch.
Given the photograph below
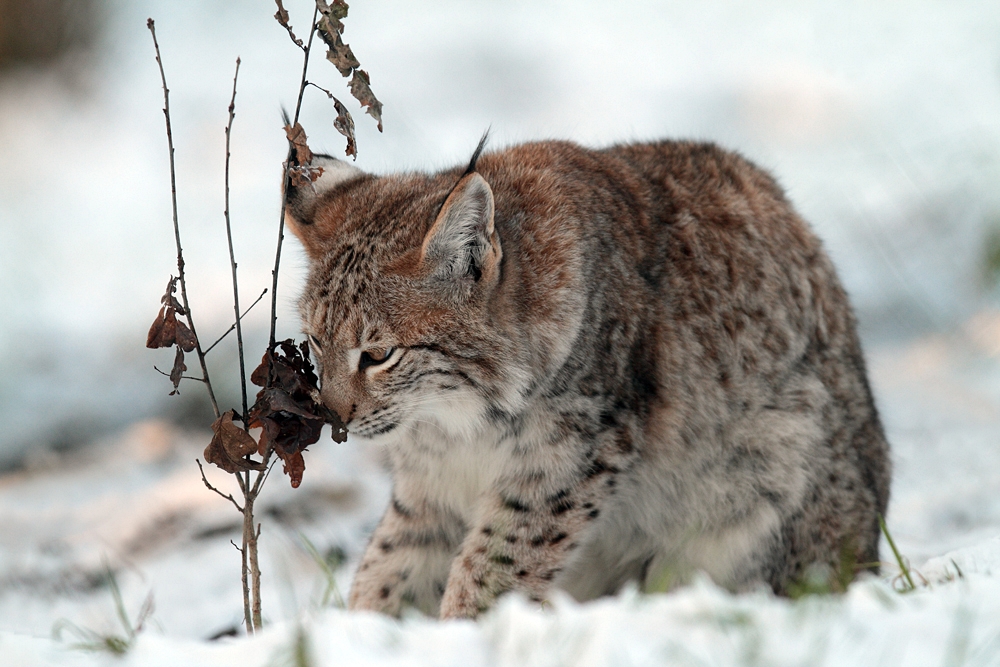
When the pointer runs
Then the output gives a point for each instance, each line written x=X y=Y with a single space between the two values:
x=328 y=93
x=183 y=377
x=177 y=230
x=245 y=574
x=239 y=479
x=255 y=574
x=227 y=496
x=233 y=325
x=262 y=477
x=288 y=158
x=232 y=254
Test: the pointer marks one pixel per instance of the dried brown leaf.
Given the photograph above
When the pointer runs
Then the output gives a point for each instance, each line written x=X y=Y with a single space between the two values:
x=168 y=298
x=177 y=372
x=156 y=332
x=329 y=22
x=289 y=368
x=294 y=466
x=282 y=18
x=184 y=337
x=297 y=136
x=162 y=333
x=362 y=91
x=344 y=124
x=230 y=446
x=303 y=176
x=341 y=56
x=338 y=9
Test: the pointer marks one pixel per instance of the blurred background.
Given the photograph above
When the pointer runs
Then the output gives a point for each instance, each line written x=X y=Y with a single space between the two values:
x=882 y=121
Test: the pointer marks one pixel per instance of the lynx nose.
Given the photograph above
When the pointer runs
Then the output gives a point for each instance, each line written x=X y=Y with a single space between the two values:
x=340 y=404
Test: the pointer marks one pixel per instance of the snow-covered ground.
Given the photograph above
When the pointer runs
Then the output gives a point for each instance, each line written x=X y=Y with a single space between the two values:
x=881 y=119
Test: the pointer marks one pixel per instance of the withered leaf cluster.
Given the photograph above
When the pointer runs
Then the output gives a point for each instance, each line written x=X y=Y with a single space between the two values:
x=302 y=172
x=288 y=411
x=331 y=29
x=168 y=331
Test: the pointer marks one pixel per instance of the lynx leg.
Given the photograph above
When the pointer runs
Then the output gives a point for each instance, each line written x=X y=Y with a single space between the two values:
x=406 y=562
x=525 y=536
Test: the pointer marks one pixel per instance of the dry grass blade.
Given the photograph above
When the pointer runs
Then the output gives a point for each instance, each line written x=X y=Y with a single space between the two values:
x=118 y=645
x=331 y=590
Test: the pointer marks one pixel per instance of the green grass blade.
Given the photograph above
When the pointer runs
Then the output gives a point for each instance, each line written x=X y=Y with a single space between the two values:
x=899 y=558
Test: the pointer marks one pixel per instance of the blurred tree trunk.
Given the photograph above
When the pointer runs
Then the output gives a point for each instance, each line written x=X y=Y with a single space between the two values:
x=41 y=31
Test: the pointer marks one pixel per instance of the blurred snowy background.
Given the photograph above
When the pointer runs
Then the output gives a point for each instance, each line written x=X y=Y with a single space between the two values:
x=882 y=120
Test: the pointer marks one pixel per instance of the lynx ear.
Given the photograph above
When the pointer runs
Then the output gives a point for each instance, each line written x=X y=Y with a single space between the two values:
x=301 y=200
x=462 y=244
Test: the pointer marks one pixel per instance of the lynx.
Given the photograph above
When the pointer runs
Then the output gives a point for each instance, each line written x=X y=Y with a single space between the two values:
x=587 y=367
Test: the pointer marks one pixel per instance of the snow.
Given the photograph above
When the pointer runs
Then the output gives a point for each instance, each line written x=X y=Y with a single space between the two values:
x=881 y=119
x=953 y=623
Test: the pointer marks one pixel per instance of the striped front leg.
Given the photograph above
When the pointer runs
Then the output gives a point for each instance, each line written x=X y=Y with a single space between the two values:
x=524 y=538
x=406 y=562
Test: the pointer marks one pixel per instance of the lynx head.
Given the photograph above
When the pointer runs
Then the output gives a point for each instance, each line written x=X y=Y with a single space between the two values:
x=398 y=306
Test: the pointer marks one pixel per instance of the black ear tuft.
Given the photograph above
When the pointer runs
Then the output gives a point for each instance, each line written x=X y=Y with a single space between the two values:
x=475 y=156
x=288 y=123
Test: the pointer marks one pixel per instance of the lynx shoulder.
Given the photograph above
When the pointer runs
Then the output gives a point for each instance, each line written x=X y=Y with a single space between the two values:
x=589 y=367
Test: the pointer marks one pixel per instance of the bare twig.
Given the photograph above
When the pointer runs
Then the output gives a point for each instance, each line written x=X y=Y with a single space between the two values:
x=227 y=496
x=232 y=255
x=244 y=574
x=232 y=326
x=285 y=183
x=261 y=479
x=318 y=87
x=177 y=230
x=183 y=377
x=255 y=574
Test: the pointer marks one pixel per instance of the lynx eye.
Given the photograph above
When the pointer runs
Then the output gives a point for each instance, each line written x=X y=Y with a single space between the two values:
x=374 y=357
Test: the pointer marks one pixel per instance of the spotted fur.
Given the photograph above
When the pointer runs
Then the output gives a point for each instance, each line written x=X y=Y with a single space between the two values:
x=590 y=366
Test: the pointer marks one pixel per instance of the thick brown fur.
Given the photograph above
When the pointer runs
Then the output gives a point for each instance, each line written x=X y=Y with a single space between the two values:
x=590 y=366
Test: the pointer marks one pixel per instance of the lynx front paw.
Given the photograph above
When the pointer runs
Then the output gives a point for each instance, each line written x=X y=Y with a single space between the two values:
x=374 y=594
x=472 y=587
x=458 y=603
